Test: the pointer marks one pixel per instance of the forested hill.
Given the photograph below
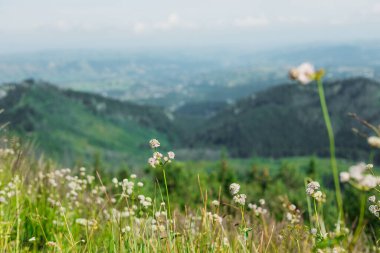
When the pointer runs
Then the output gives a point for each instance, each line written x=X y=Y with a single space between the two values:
x=287 y=121
x=69 y=125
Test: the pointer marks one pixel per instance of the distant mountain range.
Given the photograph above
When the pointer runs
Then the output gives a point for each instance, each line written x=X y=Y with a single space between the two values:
x=284 y=120
x=172 y=78
x=287 y=120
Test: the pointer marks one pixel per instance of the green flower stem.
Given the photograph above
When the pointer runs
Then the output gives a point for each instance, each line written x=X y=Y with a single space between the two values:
x=309 y=206
x=371 y=155
x=167 y=193
x=317 y=217
x=330 y=133
x=360 y=226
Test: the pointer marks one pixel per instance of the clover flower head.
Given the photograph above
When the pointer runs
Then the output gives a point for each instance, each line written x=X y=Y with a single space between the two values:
x=312 y=187
x=234 y=188
x=171 y=155
x=304 y=73
x=154 y=143
x=152 y=162
x=356 y=171
x=360 y=178
x=240 y=199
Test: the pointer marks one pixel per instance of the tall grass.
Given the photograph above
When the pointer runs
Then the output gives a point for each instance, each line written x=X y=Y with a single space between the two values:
x=44 y=208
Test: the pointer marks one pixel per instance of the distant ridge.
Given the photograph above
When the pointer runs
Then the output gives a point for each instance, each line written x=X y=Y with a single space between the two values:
x=70 y=125
x=286 y=120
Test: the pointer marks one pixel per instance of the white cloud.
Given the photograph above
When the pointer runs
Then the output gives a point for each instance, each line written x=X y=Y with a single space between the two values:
x=251 y=21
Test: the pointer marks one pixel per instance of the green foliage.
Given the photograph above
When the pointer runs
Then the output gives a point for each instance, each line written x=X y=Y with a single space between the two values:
x=287 y=121
x=69 y=125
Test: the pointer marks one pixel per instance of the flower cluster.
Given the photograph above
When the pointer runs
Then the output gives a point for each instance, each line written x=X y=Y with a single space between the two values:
x=258 y=209
x=374 y=208
x=215 y=217
x=237 y=198
x=312 y=189
x=240 y=199
x=234 y=188
x=305 y=73
x=292 y=213
x=157 y=158
x=359 y=176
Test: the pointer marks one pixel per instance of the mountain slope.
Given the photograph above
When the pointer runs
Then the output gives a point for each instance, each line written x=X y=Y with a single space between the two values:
x=287 y=120
x=70 y=125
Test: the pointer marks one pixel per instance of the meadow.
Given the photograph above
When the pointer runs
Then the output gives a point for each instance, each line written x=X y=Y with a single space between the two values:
x=301 y=204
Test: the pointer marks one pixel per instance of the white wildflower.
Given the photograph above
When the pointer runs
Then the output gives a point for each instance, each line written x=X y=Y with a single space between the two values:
x=318 y=195
x=374 y=141
x=234 y=188
x=154 y=143
x=372 y=199
x=344 y=176
x=171 y=155
x=152 y=162
x=215 y=203
x=304 y=73
x=356 y=171
x=369 y=181
x=312 y=187
x=240 y=199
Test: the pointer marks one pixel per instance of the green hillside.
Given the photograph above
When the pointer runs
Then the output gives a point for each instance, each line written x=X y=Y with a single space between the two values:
x=70 y=125
x=287 y=121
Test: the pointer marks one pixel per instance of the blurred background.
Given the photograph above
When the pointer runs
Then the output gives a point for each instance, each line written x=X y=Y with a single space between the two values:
x=89 y=82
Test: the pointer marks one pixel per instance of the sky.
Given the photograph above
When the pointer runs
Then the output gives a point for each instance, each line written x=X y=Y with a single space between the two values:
x=27 y=25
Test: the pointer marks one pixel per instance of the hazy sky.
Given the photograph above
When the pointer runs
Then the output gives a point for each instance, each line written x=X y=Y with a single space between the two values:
x=27 y=25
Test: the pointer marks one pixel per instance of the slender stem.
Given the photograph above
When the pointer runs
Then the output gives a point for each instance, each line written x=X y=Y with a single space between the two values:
x=309 y=206
x=18 y=219
x=330 y=133
x=371 y=155
x=242 y=216
x=317 y=217
x=167 y=193
x=360 y=226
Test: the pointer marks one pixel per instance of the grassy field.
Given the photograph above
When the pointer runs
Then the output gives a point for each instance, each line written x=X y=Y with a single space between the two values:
x=174 y=207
